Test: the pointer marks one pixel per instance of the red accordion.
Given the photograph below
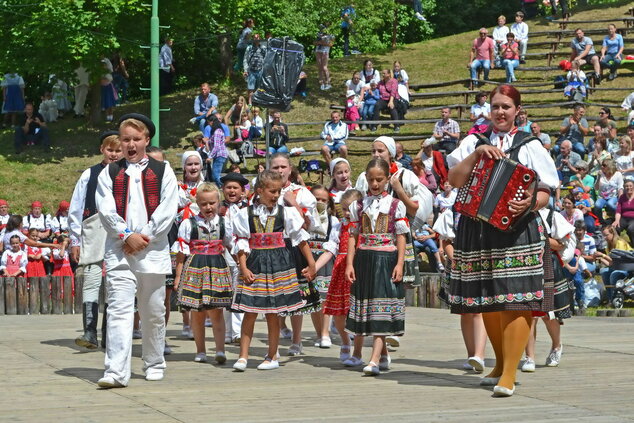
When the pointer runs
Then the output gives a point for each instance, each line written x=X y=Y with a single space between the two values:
x=493 y=183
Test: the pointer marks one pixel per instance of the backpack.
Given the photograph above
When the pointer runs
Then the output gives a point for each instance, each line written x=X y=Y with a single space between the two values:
x=560 y=82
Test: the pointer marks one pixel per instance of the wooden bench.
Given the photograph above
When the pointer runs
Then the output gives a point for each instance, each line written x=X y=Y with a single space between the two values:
x=564 y=23
x=558 y=34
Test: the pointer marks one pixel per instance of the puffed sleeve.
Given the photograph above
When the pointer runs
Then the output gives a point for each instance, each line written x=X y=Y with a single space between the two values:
x=163 y=217
x=184 y=236
x=362 y=184
x=464 y=149
x=3 y=260
x=536 y=157
x=308 y=202
x=240 y=223
x=46 y=253
x=24 y=260
x=444 y=225
x=293 y=223
x=355 y=219
x=52 y=224
x=76 y=210
x=419 y=193
x=228 y=239
x=332 y=245
x=401 y=225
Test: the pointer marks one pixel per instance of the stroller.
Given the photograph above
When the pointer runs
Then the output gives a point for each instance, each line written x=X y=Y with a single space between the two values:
x=623 y=288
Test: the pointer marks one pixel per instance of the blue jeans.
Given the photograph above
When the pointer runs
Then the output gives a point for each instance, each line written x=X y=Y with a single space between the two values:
x=252 y=80
x=202 y=122
x=605 y=63
x=367 y=112
x=476 y=64
x=281 y=149
x=610 y=277
x=428 y=246
x=577 y=279
x=609 y=204
x=254 y=132
x=216 y=169
x=510 y=65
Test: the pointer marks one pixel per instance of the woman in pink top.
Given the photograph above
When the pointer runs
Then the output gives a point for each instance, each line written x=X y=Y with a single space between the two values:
x=510 y=57
x=388 y=94
x=624 y=217
x=570 y=212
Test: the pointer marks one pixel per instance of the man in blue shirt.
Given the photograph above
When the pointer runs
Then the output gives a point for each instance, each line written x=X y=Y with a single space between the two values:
x=347 y=15
x=205 y=104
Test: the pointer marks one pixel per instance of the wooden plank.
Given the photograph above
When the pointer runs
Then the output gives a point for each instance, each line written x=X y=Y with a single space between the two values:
x=22 y=296
x=2 y=297
x=410 y=296
x=79 y=291
x=102 y=296
x=439 y=84
x=67 y=294
x=10 y=296
x=45 y=295
x=422 y=291
x=34 y=295
x=432 y=289
x=56 y=295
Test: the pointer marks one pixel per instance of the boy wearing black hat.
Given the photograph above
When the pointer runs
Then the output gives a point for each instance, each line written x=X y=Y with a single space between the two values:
x=233 y=185
x=137 y=199
x=88 y=238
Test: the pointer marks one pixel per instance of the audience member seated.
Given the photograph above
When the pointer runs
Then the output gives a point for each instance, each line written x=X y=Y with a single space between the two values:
x=426 y=177
x=536 y=130
x=356 y=84
x=596 y=131
x=624 y=217
x=335 y=134
x=403 y=80
x=433 y=161
x=235 y=112
x=482 y=56
x=38 y=220
x=583 y=201
x=369 y=74
x=403 y=158
x=582 y=51
x=522 y=122
x=575 y=88
x=520 y=30
x=582 y=179
x=627 y=107
x=424 y=241
x=257 y=125
x=352 y=112
x=574 y=271
x=510 y=55
x=48 y=108
x=566 y=162
x=499 y=37
x=606 y=121
x=445 y=199
x=31 y=130
x=609 y=187
x=598 y=156
x=446 y=132
x=278 y=134
x=369 y=96
x=609 y=275
x=612 y=51
x=205 y=104
x=623 y=158
x=589 y=250
x=569 y=211
x=574 y=128
x=480 y=114
x=302 y=84
x=388 y=94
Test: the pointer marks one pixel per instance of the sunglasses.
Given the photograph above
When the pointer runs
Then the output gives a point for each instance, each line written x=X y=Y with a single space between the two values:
x=602 y=113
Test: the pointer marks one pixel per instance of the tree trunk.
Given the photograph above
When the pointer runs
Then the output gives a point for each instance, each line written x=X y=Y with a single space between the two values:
x=394 y=27
x=226 y=54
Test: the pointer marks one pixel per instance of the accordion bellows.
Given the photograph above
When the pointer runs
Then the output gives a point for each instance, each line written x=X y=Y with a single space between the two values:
x=492 y=184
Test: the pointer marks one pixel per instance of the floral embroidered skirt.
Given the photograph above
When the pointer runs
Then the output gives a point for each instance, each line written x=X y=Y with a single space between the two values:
x=309 y=292
x=205 y=283
x=562 y=296
x=322 y=279
x=495 y=270
x=411 y=272
x=377 y=305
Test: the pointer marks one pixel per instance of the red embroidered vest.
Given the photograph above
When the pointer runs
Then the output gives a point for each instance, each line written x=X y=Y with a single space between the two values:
x=152 y=178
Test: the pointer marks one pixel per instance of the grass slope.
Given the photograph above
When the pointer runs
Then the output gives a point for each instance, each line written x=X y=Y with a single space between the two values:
x=51 y=178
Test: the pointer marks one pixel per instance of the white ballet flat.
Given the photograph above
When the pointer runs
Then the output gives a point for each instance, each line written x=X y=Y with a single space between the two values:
x=501 y=391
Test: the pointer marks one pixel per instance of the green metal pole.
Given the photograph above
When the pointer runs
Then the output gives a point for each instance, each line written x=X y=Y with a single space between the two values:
x=154 y=72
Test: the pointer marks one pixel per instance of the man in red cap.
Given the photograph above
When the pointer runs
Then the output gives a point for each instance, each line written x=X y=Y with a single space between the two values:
x=4 y=213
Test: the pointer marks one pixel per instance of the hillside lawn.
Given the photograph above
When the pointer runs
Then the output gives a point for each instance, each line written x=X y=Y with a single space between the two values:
x=50 y=178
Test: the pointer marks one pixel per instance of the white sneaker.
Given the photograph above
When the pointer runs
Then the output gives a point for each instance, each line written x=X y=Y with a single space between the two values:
x=477 y=363
x=286 y=333
x=321 y=87
x=220 y=357
x=554 y=357
x=200 y=358
x=295 y=349
x=327 y=87
x=467 y=366
x=240 y=365
x=154 y=375
x=324 y=342
x=167 y=350
x=392 y=341
x=108 y=382
x=384 y=362
x=137 y=334
x=421 y=17
x=353 y=362
x=192 y=120
x=529 y=365
x=186 y=331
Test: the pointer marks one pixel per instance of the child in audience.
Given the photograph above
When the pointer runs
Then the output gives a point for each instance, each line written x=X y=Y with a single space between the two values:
x=576 y=82
x=242 y=130
x=14 y=260
x=36 y=256
x=257 y=125
x=61 y=258
x=370 y=95
x=352 y=112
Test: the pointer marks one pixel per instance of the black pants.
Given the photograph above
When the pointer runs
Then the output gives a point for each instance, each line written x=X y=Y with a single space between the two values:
x=165 y=82
x=448 y=146
x=564 y=7
x=346 y=41
x=380 y=106
x=627 y=223
x=41 y=138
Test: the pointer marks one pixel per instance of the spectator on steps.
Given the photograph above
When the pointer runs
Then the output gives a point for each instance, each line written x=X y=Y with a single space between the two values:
x=31 y=130
x=388 y=90
x=574 y=128
x=278 y=134
x=576 y=87
x=536 y=130
x=205 y=104
x=520 y=29
x=481 y=56
x=480 y=114
x=355 y=83
x=510 y=55
x=566 y=162
x=499 y=37
x=606 y=121
x=403 y=80
x=612 y=51
x=369 y=95
x=627 y=107
x=334 y=134
x=446 y=132
x=402 y=157
x=582 y=51
x=243 y=42
x=323 y=43
x=252 y=65
x=609 y=187
x=522 y=122
x=433 y=162
x=352 y=112
x=369 y=74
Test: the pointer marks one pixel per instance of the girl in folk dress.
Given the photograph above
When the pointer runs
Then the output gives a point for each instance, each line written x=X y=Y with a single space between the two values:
x=204 y=278
x=337 y=302
x=13 y=97
x=61 y=258
x=324 y=241
x=13 y=261
x=59 y=223
x=36 y=256
x=268 y=274
x=376 y=253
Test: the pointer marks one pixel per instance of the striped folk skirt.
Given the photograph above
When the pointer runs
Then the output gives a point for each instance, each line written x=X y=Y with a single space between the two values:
x=377 y=305
x=205 y=283
x=275 y=288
